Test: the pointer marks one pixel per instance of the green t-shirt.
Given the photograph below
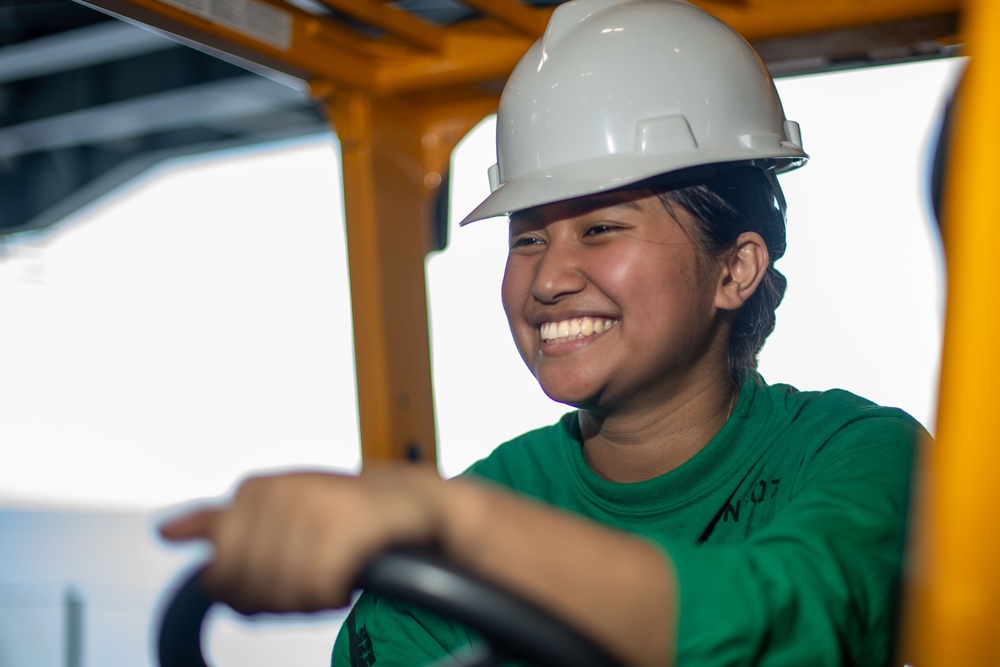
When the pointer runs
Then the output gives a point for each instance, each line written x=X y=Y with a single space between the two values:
x=786 y=532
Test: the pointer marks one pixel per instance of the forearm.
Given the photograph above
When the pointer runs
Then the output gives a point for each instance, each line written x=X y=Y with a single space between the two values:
x=618 y=589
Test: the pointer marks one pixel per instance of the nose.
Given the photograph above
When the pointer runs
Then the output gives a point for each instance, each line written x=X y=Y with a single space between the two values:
x=558 y=273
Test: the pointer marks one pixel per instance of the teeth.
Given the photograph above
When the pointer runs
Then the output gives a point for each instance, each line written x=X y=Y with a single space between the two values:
x=578 y=327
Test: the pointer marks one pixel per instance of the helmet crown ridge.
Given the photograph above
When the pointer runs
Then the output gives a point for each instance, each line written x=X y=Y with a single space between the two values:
x=570 y=14
x=619 y=91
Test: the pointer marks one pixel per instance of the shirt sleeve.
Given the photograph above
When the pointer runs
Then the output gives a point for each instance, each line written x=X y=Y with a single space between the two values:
x=385 y=633
x=820 y=584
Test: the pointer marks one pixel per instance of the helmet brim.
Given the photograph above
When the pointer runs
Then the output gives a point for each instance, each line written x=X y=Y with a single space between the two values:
x=591 y=177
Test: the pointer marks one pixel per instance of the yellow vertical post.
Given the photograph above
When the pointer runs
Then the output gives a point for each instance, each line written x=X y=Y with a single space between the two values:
x=953 y=600
x=395 y=154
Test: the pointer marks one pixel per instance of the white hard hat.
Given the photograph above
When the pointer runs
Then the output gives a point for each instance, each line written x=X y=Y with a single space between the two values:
x=619 y=91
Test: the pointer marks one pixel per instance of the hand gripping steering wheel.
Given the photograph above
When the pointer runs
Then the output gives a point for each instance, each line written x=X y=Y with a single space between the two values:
x=511 y=628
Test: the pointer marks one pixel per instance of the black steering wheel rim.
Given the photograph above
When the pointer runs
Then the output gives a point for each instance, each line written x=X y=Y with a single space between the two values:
x=511 y=628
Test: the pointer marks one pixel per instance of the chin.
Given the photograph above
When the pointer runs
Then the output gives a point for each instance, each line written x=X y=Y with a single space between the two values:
x=583 y=391
x=578 y=400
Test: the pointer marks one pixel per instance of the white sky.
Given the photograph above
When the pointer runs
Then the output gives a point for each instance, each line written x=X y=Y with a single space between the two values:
x=196 y=326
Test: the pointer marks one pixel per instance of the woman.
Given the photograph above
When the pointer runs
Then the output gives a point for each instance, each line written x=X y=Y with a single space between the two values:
x=685 y=512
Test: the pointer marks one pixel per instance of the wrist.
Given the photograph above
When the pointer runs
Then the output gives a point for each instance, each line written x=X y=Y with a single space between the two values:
x=464 y=520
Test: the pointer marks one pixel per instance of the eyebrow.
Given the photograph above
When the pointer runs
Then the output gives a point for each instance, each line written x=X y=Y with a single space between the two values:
x=580 y=206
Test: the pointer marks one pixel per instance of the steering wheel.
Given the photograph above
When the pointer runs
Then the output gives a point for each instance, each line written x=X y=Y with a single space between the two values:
x=512 y=628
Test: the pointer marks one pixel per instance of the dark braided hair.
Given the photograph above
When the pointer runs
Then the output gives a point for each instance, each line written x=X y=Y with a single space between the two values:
x=724 y=205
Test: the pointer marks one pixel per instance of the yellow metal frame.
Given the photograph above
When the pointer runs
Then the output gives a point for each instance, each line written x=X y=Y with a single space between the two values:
x=410 y=58
x=954 y=588
x=401 y=101
x=395 y=155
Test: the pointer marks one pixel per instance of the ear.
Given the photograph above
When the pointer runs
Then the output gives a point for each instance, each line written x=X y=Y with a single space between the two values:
x=742 y=269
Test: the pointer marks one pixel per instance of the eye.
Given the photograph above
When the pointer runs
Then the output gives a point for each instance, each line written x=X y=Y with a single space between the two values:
x=601 y=228
x=524 y=241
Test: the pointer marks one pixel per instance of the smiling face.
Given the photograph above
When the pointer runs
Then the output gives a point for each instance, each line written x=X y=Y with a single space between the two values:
x=611 y=303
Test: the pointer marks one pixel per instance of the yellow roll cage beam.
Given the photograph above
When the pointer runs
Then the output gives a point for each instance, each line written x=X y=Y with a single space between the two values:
x=401 y=92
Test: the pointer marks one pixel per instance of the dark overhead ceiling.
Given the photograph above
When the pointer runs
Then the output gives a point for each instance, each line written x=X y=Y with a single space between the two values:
x=87 y=101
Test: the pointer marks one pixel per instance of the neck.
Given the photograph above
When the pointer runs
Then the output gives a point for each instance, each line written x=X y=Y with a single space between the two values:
x=650 y=441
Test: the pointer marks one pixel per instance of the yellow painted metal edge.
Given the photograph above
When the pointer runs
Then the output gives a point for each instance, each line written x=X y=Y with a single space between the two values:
x=768 y=19
x=404 y=25
x=530 y=21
